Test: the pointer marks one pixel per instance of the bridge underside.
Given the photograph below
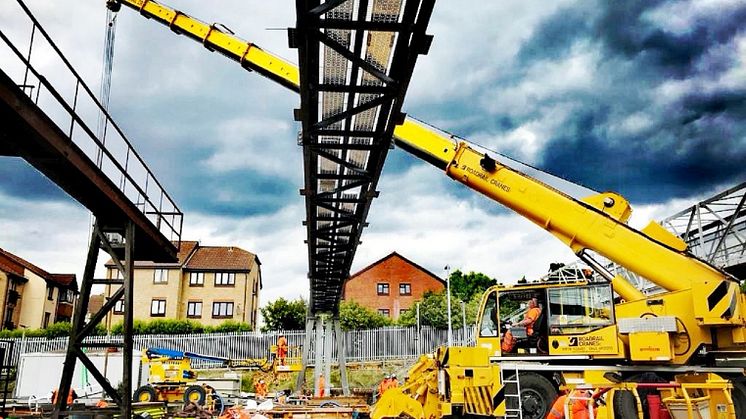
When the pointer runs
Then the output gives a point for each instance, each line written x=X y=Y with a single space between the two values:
x=356 y=59
x=27 y=132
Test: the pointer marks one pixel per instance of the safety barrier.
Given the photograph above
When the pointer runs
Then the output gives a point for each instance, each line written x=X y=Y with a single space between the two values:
x=361 y=345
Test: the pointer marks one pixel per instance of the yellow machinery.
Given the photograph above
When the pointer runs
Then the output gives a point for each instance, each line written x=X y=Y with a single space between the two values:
x=592 y=329
x=172 y=379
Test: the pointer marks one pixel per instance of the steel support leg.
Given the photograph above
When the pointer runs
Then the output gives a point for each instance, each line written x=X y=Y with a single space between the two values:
x=341 y=356
x=129 y=283
x=318 y=356
x=81 y=329
x=328 y=347
x=78 y=321
x=300 y=383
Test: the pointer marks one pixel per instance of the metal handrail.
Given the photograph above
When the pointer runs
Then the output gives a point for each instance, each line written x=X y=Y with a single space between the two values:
x=172 y=217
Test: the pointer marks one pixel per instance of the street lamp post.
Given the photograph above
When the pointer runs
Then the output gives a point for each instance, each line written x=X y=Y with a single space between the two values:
x=448 y=303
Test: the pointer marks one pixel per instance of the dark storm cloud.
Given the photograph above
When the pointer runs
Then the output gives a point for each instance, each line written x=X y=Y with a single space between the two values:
x=692 y=141
x=18 y=178
x=646 y=169
x=625 y=31
x=557 y=34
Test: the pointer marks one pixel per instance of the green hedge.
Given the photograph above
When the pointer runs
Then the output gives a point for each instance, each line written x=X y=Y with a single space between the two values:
x=154 y=327
x=180 y=327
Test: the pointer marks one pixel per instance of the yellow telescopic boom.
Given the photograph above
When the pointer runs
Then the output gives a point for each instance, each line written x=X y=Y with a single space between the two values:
x=596 y=222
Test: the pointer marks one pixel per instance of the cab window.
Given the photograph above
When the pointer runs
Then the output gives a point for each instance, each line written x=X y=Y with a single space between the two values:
x=488 y=326
x=575 y=310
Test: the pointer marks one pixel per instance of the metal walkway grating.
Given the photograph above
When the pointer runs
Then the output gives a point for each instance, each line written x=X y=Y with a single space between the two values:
x=356 y=59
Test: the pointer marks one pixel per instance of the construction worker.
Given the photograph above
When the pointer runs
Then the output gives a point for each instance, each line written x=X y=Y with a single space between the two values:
x=558 y=408
x=261 y=389
x=394 y=382
x=70 y=396
x=578 y=406
x=282 y=348
x=322 y=385
x=532 y=314
x=384 y=385
x=507 y=344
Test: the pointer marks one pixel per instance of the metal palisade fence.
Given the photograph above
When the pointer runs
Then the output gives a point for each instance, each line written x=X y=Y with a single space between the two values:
x=361 y=345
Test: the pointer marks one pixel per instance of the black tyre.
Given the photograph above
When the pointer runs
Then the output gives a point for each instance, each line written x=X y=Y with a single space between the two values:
x=625 y=405
x=145 y=394
x=739 y=397
x=537 y=395
x=195 y=394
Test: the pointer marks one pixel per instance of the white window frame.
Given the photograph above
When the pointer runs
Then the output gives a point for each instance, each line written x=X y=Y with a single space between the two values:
x=160 y=276
x=196 y=279
x=158 y=307
x=119 y=307
x=223 y=309
x=225 y=279
x=194 y=309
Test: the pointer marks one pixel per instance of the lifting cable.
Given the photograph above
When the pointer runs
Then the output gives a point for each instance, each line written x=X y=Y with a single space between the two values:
x=105 y=90
x=108 y=63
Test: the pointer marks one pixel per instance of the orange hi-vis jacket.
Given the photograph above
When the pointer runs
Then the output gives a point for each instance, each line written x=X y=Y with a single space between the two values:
x=532 y=314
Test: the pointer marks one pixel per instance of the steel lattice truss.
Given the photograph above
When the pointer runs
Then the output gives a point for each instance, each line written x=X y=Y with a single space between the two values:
x=715 y=229
x=356 y=59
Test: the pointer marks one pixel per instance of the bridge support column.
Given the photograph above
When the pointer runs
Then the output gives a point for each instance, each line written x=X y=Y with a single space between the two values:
x=82 y=329
x=306 y=356
x=341 y=356
x=325 y=333
x=318 y=357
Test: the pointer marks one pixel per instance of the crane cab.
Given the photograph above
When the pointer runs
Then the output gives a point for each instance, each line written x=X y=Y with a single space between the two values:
x=548 y=319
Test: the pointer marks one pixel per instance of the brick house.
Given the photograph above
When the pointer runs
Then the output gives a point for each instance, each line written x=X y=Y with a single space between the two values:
x=391 y=285
x=209 y=284
x=31 y=297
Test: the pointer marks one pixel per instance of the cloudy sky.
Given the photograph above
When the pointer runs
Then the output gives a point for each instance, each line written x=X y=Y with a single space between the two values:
x=646 y=98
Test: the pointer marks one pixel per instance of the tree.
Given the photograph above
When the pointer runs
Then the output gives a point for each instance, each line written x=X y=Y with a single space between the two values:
x=465 y=286
x=434 y=311
x=353 y=316
x=282 y=314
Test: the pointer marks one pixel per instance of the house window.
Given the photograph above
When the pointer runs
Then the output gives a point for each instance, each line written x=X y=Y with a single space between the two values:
x=405 y=289
x=158 y=308
x=50 y=292
x=403 y=311
x=225 y=279
x=194 y=309
x=383 y=288
x=196 y=279
x=222 y=310
x=160 y=276
x=119 y=307
x=46 y=320
x=384 y=312
x=66 y=296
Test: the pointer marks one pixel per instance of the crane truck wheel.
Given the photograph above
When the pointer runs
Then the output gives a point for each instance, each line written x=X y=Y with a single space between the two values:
x=145 y=394
x=537 y=395
x=739 y=397
x=625 y=405
x=195 y=394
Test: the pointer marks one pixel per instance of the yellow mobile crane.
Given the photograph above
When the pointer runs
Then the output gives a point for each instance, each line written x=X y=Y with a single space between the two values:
x=585 y=334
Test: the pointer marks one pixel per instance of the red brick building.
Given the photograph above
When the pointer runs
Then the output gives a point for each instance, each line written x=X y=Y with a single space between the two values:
x=391 y=285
